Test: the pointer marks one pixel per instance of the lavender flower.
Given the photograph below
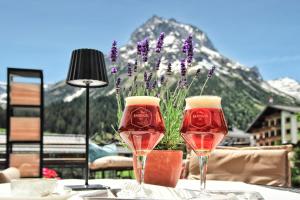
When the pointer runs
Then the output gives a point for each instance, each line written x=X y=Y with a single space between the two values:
x=114 y=52
x=182 y=68
x=160 y=42
x=154 y=85
x=183 y=83
x=188 y=48
x=129 y=70
x=118 y=81
x=198 y=72
x=147 y=85
x=169 y=69
x=145 y=76
x=185 y=46
x=114 y=70
x=158 y=64
x=157 y=95
x=145 y=49
x=190 y=54
x=135 y=66
x=211 y=72
x=139 y=48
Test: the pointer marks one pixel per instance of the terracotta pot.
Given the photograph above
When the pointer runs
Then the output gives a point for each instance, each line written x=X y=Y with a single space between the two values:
x=163 y=167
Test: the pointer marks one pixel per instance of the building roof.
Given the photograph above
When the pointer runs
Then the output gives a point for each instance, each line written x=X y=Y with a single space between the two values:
x=269 y=109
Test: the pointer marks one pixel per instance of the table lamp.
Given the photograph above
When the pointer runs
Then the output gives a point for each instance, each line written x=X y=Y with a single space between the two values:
x=87 y=70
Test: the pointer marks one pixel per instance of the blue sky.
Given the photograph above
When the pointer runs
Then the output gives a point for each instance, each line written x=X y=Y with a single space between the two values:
x=42 y=34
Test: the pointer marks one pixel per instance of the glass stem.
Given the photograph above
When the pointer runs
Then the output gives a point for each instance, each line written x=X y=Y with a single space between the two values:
x=141 y=162
x=203 y=169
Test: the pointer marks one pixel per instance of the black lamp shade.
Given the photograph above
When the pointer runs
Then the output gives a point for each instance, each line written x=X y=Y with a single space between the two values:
x=87 y=68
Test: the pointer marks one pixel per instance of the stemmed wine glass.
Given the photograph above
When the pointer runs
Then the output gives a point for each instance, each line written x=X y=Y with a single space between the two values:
x=141 y=127
x=203 y=128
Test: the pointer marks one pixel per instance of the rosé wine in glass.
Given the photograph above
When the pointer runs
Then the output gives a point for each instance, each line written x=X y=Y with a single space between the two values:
x=203 y=128
x=141 y=128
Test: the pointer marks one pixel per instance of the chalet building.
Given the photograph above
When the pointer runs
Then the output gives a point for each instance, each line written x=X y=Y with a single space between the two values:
x=275 y=125
x=237 y=138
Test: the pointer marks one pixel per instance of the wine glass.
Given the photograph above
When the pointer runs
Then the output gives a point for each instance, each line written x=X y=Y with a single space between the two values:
x=141 y=127
x=203 y=128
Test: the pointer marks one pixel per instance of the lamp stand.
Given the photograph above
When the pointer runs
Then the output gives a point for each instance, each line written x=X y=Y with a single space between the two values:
x=86 y=185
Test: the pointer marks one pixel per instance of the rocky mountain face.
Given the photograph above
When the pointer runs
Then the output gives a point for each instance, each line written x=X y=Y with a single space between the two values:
x=242 y=88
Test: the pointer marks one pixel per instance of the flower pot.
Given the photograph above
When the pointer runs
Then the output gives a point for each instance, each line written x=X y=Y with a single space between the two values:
x=163 y=167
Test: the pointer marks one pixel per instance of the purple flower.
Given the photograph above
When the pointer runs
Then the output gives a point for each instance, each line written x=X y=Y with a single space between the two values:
x=183 y=83
x=118 y=81
x=150 y=76
x=198 y=72
x=135 y=66
x=114 y=52
x=169 y=69
x=147 y=85
x=145 y=49
x=211 y=72
x=160 y=42
x=129 y=70
x=154 y=85
x=157 y=95
x=114 y=70
x=188 y=48
x=139 y=48
x=185 y=46
x=182 y=68
x=158 y=64
x=145 y=76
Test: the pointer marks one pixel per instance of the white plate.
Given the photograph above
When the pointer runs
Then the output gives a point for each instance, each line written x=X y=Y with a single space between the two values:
x=62 y=195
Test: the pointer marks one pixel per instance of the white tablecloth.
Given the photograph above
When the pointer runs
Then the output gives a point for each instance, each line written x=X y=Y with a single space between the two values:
x=267 y=193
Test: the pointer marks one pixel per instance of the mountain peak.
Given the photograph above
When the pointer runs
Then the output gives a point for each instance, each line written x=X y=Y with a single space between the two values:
x=171 y=27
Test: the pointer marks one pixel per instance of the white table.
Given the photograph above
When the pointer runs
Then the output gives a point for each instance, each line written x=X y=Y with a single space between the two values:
x=267 y=193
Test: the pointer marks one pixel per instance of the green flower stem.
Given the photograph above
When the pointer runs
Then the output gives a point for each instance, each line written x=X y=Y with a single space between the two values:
x=204 y=85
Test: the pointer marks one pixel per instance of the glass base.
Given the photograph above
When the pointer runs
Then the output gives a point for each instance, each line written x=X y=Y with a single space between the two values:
x=206 y=195
x=134 y=191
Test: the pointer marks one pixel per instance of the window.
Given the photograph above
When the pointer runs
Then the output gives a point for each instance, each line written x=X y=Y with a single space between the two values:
x=288 y=120
x=288 y=131
x=279 y=132
x=278 y=122
x=272 y=133
x=272 y=122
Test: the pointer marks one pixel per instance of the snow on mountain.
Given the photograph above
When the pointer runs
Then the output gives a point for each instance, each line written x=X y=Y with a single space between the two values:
x=286 y=86
x=69 y=98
